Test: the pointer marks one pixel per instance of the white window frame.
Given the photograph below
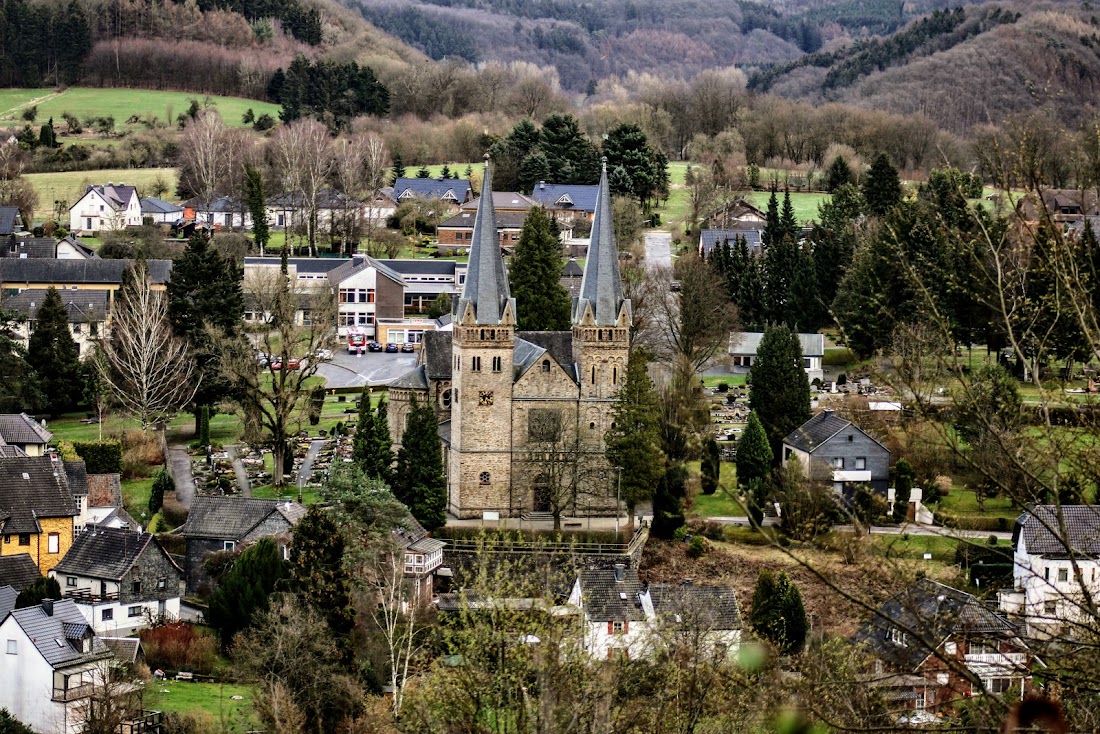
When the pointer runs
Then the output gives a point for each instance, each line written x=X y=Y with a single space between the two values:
x=13 y=647
x=53 y=541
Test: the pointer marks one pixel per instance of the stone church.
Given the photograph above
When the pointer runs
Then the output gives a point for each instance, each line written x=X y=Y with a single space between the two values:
x=523 y=413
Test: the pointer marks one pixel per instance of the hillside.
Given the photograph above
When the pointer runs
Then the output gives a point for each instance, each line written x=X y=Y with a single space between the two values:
x=966 y=67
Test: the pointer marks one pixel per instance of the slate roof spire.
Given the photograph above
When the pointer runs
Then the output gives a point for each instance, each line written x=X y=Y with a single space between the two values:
x=486 y=288
x=601 y=286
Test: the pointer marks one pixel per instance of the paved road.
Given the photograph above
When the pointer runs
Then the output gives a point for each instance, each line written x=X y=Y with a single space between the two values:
x=239 y=470
x=375 y=368
x=306 y=470
x=179 y=465
x=658 y=249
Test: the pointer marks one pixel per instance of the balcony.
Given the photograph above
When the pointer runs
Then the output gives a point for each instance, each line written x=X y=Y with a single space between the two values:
x=87 y=596
x=1003 y=662
x=150 y=722
x=853 y=475
x=72 y=694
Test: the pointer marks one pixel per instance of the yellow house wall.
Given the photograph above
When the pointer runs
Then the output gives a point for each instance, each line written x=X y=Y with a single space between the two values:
x=39 y=547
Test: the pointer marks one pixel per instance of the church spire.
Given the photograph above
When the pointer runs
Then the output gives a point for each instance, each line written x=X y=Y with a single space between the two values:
x=486 y=289
x=601 y=286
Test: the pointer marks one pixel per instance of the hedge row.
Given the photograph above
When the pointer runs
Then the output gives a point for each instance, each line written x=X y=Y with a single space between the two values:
x=970 y=522
x=100 y=457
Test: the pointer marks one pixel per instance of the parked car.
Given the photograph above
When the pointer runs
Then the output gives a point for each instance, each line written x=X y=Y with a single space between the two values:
x=291 y=364
x=408 y=348
x=374 y=347
x=391 y=348
x=324 y=355
x=263 y=359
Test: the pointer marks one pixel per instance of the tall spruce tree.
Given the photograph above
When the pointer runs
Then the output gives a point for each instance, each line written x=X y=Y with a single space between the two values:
x=778 y=614
x=20 y=388
x=243 y=589
x=710 y=468
x=754 y=453
x=772 y=228
x=205 y=293
x=787 y=221
x=257 y=206
x=634 y=441
x=542 y=302
x=372 y=449
x=779 y=393
x=668 y=502
x=838 y=175
x=398 y=167
x=419 y=482
x=317 y=572
x=805 y=312
x=881 y=187
x=54 y=356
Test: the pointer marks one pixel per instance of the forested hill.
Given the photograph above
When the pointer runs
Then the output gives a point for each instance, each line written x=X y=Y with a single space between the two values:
x=587 y=40
x=963 y=67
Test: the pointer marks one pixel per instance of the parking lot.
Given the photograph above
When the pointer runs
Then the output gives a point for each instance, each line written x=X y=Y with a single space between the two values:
x=374 y=368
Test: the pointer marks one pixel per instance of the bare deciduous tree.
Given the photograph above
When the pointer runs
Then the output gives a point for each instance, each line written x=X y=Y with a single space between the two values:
x=149 y=370
x=694 y=321
x=203 y=163
x=303 y=158
x=292 y=324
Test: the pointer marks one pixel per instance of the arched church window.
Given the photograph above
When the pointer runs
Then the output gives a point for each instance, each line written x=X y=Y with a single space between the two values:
x=545 y=365
x=593 y=374
x=446 y=398
x=614 y=375
x=484 y=477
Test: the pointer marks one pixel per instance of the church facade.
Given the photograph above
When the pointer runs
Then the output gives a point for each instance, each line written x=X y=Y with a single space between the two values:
x=523 y=414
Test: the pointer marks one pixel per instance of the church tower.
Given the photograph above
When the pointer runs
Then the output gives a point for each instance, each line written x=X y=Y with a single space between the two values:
x=601 y=322
x=483 y=341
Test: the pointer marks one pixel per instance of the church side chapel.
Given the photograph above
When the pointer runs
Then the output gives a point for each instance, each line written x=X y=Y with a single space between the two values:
x=523 y=413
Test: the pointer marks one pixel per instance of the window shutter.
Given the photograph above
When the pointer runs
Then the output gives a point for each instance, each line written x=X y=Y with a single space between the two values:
x=610 y=628
x=626 y=626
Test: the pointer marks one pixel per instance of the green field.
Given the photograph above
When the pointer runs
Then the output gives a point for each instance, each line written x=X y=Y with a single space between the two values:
x=805 y=205
x=69 y=186
x=212 y=702
x=85 y=102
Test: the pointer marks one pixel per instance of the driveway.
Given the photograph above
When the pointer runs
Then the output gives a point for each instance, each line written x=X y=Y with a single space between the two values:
x=374 y=368
x=179 y=465
x=658 y=249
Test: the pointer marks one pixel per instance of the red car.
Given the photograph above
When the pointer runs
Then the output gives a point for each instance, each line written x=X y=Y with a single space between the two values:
x=291 y=364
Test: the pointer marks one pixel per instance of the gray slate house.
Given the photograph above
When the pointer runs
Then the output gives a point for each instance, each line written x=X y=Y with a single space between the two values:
x=744 y=346
x=217 y=524
x=24 y=433
x=931 y=641
x=18 y=572
x=454 y=191
x=120 y=580
x=11 y=221
x=832 y=448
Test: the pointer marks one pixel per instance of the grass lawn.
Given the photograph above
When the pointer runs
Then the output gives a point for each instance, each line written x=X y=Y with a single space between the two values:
x=722 y=503
x=211 y=699
x=122 y=104
x=913 y=547
x=805 y=205
x=68 y=186
x=965 y=502
x=135 y=497
x=716 y=380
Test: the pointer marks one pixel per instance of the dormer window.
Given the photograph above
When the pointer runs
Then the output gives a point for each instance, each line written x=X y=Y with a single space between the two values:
x=564 y=200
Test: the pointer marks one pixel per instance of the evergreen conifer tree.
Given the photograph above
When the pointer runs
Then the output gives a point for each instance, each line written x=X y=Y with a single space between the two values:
x=754 y=454
x=881 y=187
x=42 y=588
x=244 y=587
x=787 y=221
x=542 y=303
x=53 y=354
x=772 y=227
x=711 y=467
x=839 y=174
x=445 y=172
x=317 y=571
x=162 y=484
x=372 y=449
x=668 y=499
x=423 y=172
x=779 y=393
x=364 y=432
x=257 y=206
x=777 y=612
x=398 y=167
x=382 y=445
x=804 y=310
x=903 y=488
x=634 y=443
x=419 y=482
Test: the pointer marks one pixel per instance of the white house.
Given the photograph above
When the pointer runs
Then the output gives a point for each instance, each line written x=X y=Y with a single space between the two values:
x=121 y=580
x=222 y=212
x=105 y=208
x=423 y=558
x=624 y=618
x=50 y=662
x=744 y=345
x=87 y=313
x=1055 y=560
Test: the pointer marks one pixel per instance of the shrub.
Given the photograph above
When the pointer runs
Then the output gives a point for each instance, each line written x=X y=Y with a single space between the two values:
x=710 y=529
x=100 y=457
x=723 y=387
x=162 y=485
x=698 y=547
x=141 y=451
x=30 y=113
x=179 y=646
x=195 y=723
x=983 y=524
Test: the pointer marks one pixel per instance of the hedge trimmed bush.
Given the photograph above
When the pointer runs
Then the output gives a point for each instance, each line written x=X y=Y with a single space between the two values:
x=971 y=522
x=100 y=457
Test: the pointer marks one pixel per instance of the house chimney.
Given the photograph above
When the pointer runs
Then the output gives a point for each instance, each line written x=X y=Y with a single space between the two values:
x=619 y=568
x=47 y=607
